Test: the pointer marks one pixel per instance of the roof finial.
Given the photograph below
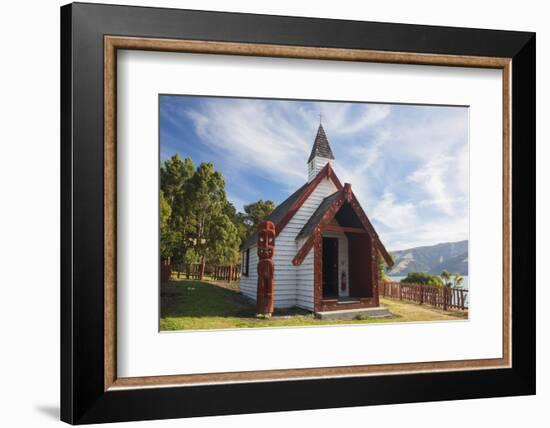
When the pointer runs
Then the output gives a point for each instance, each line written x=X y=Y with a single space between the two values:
x=320 y=117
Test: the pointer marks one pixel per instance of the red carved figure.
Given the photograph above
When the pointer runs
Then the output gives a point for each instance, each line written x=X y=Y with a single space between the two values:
x=266 y=268
x=347 y=192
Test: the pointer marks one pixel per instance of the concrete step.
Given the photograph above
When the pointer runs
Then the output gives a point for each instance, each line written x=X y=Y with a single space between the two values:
x=349 y=314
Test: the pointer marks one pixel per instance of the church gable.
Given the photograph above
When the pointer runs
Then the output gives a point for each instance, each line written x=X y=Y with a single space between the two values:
x=338 y=212
x=288 y=208
x=324 y=188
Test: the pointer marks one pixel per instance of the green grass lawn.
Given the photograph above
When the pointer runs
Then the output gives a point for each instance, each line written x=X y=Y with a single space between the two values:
x=193 y=305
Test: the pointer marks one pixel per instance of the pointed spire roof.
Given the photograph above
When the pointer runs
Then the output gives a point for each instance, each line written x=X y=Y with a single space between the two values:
x=321 y=147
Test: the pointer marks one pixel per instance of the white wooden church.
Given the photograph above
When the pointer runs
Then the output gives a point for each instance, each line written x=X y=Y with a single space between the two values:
x=325 y=248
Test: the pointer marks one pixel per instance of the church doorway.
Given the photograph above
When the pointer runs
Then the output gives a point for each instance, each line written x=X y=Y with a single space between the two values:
x=330 y=267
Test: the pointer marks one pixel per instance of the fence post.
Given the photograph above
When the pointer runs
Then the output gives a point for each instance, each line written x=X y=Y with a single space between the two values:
x=444 y=297
x=201 y=269
x=400 y=290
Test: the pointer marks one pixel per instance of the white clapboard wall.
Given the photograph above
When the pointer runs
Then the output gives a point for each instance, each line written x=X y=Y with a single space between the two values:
x=249 y=283
x=293 y=284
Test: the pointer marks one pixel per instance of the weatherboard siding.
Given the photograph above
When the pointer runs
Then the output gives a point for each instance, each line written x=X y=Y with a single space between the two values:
x=293 y=284
x=248 y=284
x=304 y=283
x=316 y=165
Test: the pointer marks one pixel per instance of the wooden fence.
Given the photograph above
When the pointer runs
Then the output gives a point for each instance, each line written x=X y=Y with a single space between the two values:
x=191 y=271
x=438 y=297
x=195 y=271
x=165 y=270
x=227 y=273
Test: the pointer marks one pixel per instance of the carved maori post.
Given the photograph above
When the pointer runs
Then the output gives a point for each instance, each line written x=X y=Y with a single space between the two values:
x=347 y=192
x=266 y=268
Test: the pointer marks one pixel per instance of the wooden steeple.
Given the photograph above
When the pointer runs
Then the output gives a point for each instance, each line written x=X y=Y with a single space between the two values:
x=321 y=154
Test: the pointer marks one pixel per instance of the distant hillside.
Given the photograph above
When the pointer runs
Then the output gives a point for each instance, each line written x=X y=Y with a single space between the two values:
x=452 y=256
x=457 y=264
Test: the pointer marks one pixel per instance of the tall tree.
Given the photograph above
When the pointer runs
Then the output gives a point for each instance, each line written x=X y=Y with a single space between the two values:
x=214 y=235
x=254 y=213
x=257 y=211
x=174 y=182
x=174 y=175
x=198 y=223
x=166 y=243
x=238 y=220
x=223 y=241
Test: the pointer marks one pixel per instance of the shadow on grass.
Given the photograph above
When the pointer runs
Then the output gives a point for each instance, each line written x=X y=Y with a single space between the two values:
x=190 y=298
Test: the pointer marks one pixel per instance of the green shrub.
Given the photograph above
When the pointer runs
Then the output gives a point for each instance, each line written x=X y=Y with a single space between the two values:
x=422 y=278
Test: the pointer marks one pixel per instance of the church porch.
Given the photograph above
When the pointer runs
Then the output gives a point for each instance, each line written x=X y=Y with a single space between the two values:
x=345 y=254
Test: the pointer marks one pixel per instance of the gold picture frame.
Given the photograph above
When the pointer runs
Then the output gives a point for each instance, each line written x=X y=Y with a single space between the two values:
x=114 y=43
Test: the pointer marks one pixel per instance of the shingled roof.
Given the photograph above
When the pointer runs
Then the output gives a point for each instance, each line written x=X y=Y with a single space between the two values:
x=317 y=215
x=277 y=215
x=321 y=147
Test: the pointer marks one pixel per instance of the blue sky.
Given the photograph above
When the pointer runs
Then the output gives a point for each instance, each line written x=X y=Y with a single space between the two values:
x=408 y=164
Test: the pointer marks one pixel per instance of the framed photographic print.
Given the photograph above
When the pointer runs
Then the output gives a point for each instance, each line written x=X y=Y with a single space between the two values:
x=272 y=213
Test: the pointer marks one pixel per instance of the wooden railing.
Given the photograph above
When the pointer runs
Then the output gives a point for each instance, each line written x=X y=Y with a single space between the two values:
x=227 y=273
x=438 y=297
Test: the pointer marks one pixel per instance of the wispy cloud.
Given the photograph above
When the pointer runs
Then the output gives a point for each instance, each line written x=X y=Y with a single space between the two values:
x=259 y=137
x=367 y=118
x=432 y=177
x=393 y=214
x=408 y=164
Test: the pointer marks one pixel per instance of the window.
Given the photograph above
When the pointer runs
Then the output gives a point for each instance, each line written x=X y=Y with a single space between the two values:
x=245 y=262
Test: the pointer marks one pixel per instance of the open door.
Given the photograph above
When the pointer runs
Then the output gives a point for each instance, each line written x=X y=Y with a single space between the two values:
x=330 y=267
